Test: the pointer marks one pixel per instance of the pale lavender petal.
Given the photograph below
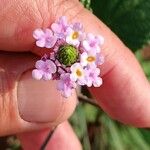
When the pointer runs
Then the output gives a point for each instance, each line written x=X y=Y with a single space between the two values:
x=73 y=77
x=47 y=76
x=50 y=42
x=99 y=59
x=90 y=36
x=67 y=93
x=77 y=26
x=97 y=49
x=74 y=66
x=97 y=82
x=86 y=45
x=81 y=81
x=48 y=32
x=72 y=42
x=40 y=43
x=52 y=67
x=89 y=83
x=60 y=85
x=83 y=58
x=69 y=31
x=97 y=71
x=39 y=64
x=37 y=74
x=68 y=39
x=56 y=28
x=63 y=21
x=100 y=39
x=38 y=33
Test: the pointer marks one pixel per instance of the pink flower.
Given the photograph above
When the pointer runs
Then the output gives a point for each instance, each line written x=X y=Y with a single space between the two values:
x=60 y=27
x=65 y=85
x=91 y=59
x=44 y=70
x=77 y=74
x=92 y=76
x=100 y=59
x=92 y=43
x=45 y=38
x=74 y=34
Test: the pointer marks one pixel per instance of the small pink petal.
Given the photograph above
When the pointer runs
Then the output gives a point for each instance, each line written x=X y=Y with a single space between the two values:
x=90 y=36
x=100 y=39
x=67 y=93
x=47 y=76
x=86 y=45
x=56 y=27
x=73 y=77
x=77 y=26
x=63 y=20
x=50 y=42
x=40 y=43
x=37 y=74
x=98 y=82
x=38 y=33
x=48 y=32
x=39 y=64
x=51 y=66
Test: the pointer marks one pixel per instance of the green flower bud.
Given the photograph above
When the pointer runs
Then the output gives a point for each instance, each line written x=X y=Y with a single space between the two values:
x=67 y=55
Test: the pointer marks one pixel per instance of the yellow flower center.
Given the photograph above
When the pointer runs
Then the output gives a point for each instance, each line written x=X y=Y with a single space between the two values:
x=75 y=35
x=91 y=59
x=78 y=72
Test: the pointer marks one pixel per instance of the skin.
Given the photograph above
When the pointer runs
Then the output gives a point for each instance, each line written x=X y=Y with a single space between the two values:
x=124 y=94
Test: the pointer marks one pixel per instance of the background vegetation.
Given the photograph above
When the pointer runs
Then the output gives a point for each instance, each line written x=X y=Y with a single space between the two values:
x=130 y=20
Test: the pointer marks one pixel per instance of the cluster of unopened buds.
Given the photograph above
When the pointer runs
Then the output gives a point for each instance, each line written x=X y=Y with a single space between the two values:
x=73 y=59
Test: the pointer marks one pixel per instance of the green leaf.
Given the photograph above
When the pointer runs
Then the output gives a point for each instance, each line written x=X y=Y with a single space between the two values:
x=91 y=113
x=129 y=19
x=86 y=3
x=78 y=120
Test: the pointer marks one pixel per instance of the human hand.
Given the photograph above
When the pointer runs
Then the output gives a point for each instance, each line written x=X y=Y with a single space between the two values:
x=124 y=94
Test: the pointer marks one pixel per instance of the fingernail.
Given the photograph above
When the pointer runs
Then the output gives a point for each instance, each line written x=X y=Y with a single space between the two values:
x=38 y=101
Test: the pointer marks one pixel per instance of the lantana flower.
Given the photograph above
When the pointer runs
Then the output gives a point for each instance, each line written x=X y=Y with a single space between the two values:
x=45 y=38
x=93 y=43
x=59 y=27
x=88 y=58
x=44 y=70
x=65 y=85
x=73 y=59
x=77 y=73
x=74 y=34
x=92 y=76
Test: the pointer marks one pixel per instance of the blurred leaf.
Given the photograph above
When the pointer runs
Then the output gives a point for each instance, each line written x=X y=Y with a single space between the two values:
x=115 y=139
x=144 y=63
x=78 y=120
x=146 y=67
x=146 y=134
x=91 y=113
x=129 y=19
x=86 y=3
x=137 y=139
x=121 y=137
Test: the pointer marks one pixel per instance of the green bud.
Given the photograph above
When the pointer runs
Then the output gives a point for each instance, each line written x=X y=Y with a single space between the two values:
x=67 y=55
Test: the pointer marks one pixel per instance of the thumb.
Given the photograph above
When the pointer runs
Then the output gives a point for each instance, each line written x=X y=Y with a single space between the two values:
x=26 y=104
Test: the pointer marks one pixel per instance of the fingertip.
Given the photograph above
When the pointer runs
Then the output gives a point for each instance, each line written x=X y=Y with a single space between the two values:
x=62 y=138
x=41 y=102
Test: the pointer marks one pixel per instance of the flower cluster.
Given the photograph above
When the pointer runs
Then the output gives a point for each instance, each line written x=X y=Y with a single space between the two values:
x=73 y=58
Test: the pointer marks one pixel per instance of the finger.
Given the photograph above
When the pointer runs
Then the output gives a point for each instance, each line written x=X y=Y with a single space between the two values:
x=63 y=138
x=26 y=104
x=124 y=94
